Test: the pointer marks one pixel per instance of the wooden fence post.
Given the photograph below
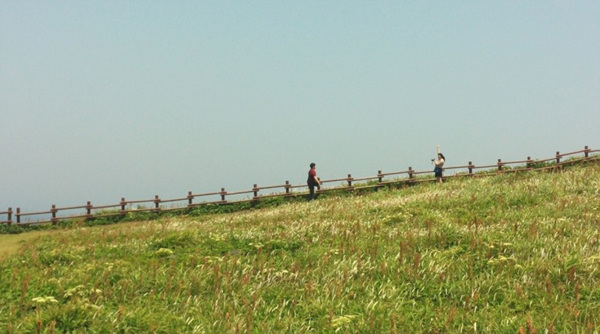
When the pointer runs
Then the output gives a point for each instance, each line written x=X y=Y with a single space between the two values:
x=586 y=151
x=190 y=198
x=18 y=215
x=156 y=203
x=287 y=188
x=53 y=211
x=470 y=166
x=223 y=193
x=500 y=165
x=255 y=191
x=123 y=204
x=9 y=216
x=557 y=157
x=379 y=176
x=88 y=210
x=349 y=180
x=529 y=163
x=411 y=175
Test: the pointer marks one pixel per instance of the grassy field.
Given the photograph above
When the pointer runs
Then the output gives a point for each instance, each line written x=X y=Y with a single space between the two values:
x=10 y=244
x=512 y=253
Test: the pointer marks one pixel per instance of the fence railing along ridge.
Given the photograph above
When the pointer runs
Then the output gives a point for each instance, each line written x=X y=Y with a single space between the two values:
x=91 y=211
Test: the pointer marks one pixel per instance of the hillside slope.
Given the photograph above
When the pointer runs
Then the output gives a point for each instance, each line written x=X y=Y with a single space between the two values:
x=503 y=254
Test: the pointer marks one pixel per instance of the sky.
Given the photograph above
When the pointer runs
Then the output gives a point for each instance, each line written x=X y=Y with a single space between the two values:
x=101 y=100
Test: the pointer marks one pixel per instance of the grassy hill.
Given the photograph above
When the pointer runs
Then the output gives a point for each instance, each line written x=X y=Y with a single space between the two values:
x=512 y=253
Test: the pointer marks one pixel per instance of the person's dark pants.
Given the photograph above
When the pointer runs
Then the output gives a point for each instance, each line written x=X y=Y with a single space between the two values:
x=311 y=188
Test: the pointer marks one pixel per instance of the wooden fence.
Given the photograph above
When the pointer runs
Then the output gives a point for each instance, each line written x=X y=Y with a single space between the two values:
x=407 y=177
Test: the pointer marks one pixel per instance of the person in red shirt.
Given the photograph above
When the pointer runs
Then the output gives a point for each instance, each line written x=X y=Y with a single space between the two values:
x=312 y=181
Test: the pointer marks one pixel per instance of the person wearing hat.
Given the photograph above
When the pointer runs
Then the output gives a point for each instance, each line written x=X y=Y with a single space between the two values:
x=312 y=181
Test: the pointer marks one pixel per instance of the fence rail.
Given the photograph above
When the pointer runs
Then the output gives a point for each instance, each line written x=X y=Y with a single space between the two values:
x=410 y=177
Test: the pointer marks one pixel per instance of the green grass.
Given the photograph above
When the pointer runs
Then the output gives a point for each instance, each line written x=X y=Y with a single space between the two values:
x=512 y=253
x=11 y=243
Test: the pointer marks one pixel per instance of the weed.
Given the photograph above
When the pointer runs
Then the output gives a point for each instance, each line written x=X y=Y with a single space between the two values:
x=508 y=253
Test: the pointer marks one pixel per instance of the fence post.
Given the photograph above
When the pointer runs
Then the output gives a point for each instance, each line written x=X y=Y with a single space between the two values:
x=18 y=215
x=470 y=166
x=586 y=151
x=411 y=175
x=529 y=162
x=156 y=203
x=557 y=157
x=255 y=191
x=223 y=193
x=88 y=210
x=349 y=179
x=123 y=204
x=379 y=176
x=287 y=188
x=500 y=165
x=53 y=211
x=190 y=198
x=9 y=216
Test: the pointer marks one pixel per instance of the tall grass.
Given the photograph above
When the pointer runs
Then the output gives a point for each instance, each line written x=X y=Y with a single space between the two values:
x=514 y=253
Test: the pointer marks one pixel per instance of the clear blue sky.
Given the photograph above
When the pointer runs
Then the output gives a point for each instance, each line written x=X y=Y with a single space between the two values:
x=107 y=99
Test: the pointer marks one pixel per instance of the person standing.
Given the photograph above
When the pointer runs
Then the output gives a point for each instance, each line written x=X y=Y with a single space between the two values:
x=312 y=181
x=439 y=164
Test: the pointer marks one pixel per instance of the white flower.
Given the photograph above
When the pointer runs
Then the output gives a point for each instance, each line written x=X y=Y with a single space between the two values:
x=44 y=300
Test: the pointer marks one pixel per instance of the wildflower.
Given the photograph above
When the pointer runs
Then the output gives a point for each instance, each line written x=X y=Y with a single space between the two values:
x=256 y=245
x=164 y=252
x=76 y=291
x=340 y=321
x=44 y=300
